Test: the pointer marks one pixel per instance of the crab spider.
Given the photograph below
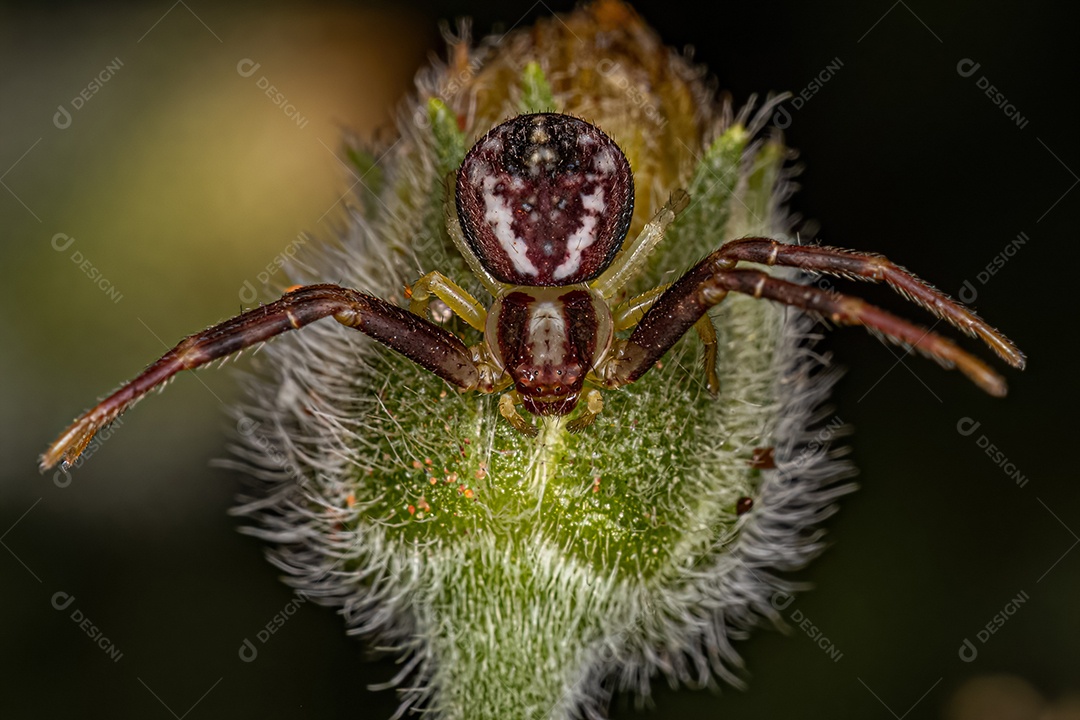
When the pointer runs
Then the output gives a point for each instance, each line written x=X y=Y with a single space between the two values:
x=543 y=205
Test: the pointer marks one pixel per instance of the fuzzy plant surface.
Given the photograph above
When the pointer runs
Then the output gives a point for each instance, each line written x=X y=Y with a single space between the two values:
x=521 y=577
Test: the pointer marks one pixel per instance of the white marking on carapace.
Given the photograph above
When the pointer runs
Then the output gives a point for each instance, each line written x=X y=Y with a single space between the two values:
x=605 y=161
x=594 y=202
x=546 y=332
x=500 y=216
x=543 y=158
x=584 y=236
x=492 y=144
x=477 y=172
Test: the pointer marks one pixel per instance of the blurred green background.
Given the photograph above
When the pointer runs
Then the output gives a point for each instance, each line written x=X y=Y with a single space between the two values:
x=179 y=181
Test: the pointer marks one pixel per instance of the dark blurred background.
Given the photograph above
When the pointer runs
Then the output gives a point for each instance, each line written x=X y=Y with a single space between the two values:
x=178 y=181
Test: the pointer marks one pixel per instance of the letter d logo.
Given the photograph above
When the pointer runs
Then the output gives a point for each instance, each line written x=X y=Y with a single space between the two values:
x=248 y=652
x=62 y=118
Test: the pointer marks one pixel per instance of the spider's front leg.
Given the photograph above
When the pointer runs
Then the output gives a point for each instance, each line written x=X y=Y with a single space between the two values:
x=630 y=313
x=705 y=285
x=874 y=268
x=460 y=302
x=426 y=344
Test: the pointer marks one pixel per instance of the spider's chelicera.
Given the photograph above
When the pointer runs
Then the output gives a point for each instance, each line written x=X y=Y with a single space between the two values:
x=543 y=206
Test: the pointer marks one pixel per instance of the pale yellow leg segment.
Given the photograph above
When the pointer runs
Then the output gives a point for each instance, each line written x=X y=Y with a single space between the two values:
x=508 y=410
x=634 y=254
x=457 y=299
x=707 y=332
x=628 y=314
x=594 y=405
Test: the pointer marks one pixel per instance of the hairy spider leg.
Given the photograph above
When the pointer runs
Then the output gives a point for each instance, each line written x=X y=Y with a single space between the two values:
x=848 y=310
x=874 y=268
x=421 y=341
x=493 y=378
x=705 y=285
x=630 y=313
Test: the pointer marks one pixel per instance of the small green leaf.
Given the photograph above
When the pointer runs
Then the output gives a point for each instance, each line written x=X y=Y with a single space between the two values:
x=764 y=176
x=536 y=95
x=449 y=139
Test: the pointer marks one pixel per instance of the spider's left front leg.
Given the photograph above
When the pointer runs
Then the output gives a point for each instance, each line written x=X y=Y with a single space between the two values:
x=423 y=342
x=709 y=282
x=460 y=302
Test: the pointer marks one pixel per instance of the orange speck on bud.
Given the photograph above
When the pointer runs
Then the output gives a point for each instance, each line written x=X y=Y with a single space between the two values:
x=351 y=500
x=469 y=493
x=408 y=292
x=412 y=509
x=417 y=464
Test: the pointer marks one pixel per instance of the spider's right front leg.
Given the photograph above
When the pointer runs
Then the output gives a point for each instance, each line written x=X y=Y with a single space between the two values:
x=633 y=310
x=425 y=343
x=709 y=282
